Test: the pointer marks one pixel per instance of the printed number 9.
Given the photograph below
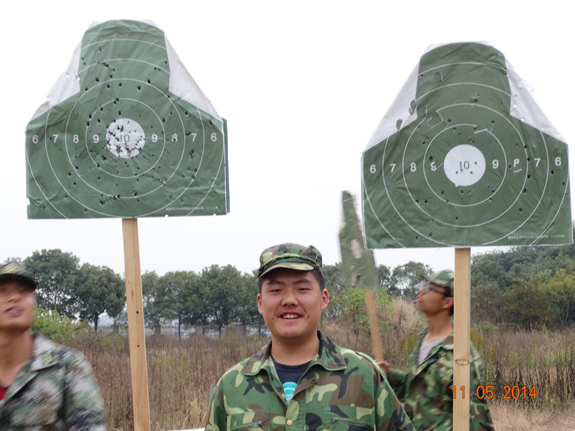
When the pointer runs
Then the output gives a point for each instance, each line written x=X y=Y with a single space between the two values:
x=372 y=169
x=495 y=164
x=214 y=137
x=433 y=167
x=154 y=138
x=558 y=161
x=95 y=139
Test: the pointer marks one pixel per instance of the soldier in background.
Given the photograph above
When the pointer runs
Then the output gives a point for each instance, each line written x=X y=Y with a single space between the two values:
x=426 y=388
x=301 y=380
x=42 y=385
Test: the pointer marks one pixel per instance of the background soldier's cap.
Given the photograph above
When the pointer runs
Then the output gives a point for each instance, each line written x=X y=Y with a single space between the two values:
x=293 y=256
x=13 y=272
x=443 y=278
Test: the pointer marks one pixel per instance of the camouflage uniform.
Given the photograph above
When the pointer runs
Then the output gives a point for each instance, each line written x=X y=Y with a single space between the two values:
x=54 y=391
x=341 y=390
x=426 y=391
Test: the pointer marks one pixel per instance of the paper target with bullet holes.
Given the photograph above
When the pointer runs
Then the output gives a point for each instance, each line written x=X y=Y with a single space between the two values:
x=464 y=157
x=126 y=132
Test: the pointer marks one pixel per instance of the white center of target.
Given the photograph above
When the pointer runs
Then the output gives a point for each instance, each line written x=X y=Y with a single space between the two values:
x=464 y=165
x=125 y=138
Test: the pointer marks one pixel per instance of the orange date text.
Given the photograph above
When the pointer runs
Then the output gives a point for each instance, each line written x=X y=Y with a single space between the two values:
x=510 y=392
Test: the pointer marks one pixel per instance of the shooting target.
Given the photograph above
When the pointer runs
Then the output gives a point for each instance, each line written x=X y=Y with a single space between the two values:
x=465 y=157
x=126 y=132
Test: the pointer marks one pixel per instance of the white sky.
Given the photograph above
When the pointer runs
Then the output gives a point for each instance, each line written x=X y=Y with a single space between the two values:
x=303 y=85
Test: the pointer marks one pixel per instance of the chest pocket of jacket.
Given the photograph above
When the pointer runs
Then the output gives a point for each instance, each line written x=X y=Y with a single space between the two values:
x=44 y=415
x=438 y=381
x=249 y=421
x=344 y=418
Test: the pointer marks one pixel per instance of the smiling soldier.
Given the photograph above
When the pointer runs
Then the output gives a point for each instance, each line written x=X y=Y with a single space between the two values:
x=301 y=380
x=43 y=386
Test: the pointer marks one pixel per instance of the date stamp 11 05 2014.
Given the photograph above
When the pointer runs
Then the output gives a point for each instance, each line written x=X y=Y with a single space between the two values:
x=511 y=392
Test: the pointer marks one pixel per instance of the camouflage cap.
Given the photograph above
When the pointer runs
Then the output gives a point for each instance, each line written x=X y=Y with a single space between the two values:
x=14 y=272
x=443 y=278
x=288 y=255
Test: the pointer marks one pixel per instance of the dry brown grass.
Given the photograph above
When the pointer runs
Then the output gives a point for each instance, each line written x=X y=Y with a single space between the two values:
x=180 y=372
x=507 y=417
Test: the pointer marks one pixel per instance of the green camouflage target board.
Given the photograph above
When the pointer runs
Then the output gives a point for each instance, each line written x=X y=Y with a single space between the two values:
x=126 y=132
x=464 y=157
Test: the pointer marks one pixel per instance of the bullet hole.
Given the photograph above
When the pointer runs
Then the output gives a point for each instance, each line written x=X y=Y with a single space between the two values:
x=520 y=210
x=524 y=190
x=149 y=82
x=139 y=87
x=86 y=88
x=492 y=121
x=430 y=234
x=107 y=85
x=425 y=201
x=528 y=177
x=120 y=84
x=449 y=121
x=490 y=199
x=417 y=238
x=456 y=218
x=431 y=158
x=97 y=79
x=552 y=172
x=442 y=193
x=563 y=184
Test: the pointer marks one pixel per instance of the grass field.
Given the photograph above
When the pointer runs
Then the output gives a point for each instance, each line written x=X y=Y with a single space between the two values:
x=181 y=372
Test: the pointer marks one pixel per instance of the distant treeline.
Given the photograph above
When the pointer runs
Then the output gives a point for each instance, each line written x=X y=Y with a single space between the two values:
x=523 y=286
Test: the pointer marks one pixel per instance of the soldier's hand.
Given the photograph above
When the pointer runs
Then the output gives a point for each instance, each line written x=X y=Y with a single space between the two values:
x=385 y=366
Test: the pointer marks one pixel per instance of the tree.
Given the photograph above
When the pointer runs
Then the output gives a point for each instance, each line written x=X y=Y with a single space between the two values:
x=151 y=299
x=406 y=278
x=560 y=289
x=485 y=270
x=527 y=306
x=247 y=313
x=98 y=290
x=222 y=285
x=486 y=302
x=180 y=297
x=55 y=272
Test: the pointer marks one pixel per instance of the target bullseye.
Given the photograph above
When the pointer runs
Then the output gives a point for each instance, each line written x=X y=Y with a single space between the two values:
x=125 y=138
x=464 y=165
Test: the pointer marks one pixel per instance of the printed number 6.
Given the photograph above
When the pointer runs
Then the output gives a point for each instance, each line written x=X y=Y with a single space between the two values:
x=558 y=161
x=372 y=169
x=214 y=137
x=35 y=139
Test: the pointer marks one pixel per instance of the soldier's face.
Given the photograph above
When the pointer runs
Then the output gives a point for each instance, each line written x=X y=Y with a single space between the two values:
x=17 y=303
x=291 y=303
x=431 y=299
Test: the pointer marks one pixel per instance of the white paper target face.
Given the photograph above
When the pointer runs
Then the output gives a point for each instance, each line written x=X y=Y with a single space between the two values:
x=465 y=157
x=126 y=132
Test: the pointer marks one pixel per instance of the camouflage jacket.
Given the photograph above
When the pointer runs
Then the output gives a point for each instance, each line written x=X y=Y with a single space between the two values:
x=341 y=390
x=426 y=391
x=54 y=391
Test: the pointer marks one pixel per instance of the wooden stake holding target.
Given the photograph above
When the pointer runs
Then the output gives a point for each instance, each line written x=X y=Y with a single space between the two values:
x=136 y=328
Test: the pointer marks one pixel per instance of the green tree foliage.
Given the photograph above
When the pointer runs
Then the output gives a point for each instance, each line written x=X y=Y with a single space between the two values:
x=485 y=270
x=560 y=290
x=60 y=329
x=223 y=287
x=405 y=279
x=247 y=313
x=352 y=308
x=153 y=301
x=181 y=297
x=55 y=271
x=98 y=290
x=486 y=302
x=526 y=305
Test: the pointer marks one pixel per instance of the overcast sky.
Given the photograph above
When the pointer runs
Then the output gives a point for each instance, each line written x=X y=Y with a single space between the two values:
x=303 y=85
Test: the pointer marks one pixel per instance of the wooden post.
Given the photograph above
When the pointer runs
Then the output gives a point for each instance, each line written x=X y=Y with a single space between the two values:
x=372 y=313
x=461 y=347
x=136 y=326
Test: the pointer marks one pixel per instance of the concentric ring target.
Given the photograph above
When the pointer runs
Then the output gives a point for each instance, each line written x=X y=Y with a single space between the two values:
x=126 y=141
x=464 y=170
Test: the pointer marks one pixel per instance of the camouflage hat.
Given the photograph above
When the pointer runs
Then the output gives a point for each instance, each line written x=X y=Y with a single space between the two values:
x=293 y=256
x=13 y=272
x=443 y=278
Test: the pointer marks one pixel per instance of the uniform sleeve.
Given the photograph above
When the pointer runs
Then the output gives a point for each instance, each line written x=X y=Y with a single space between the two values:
x=217 y=416
x=83 y=404
x=389 y=411
x=479 y=414
x=398 y=381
